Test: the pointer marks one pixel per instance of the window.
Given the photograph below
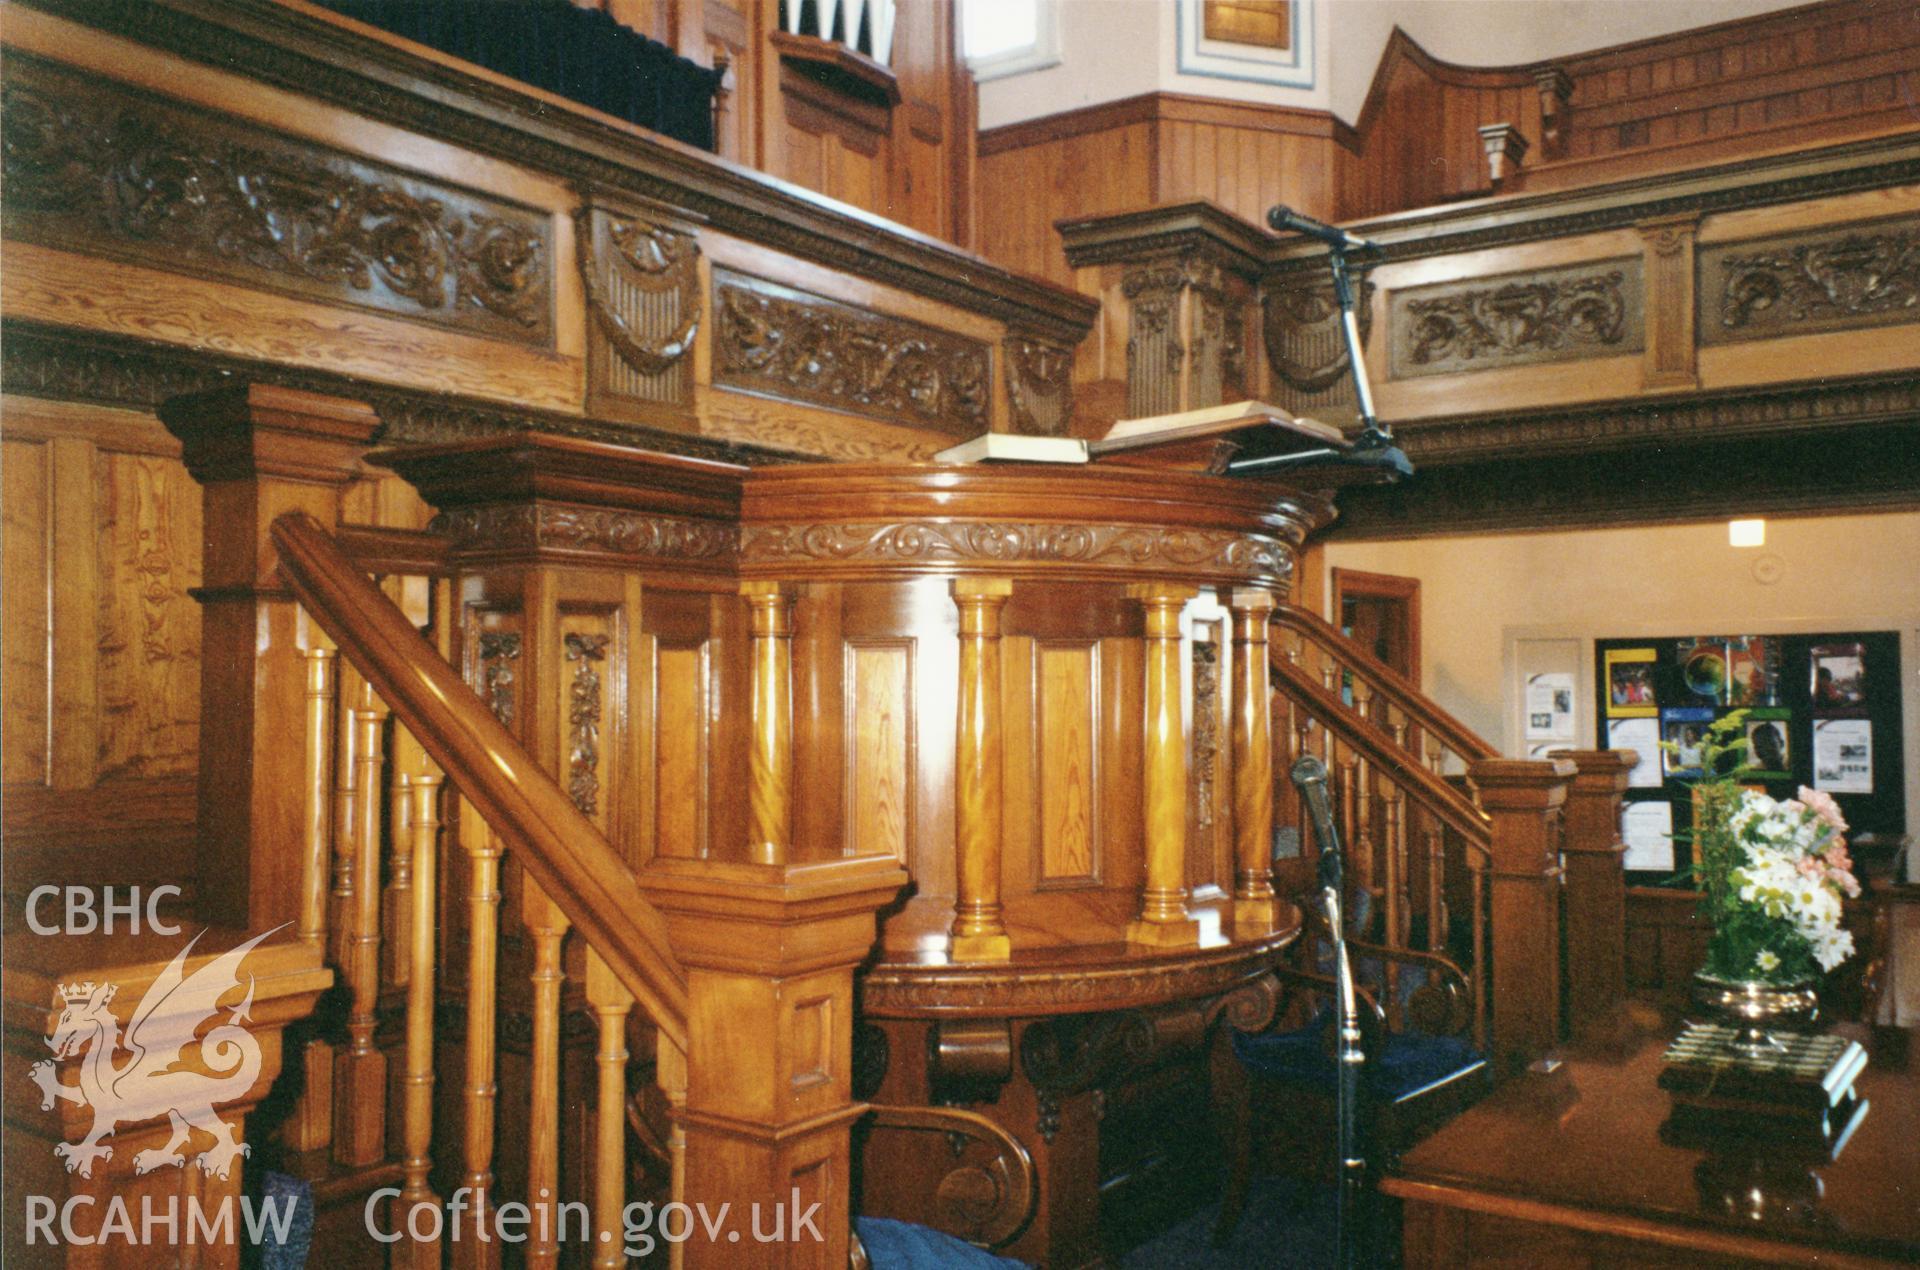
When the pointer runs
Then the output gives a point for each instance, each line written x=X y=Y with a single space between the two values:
x=1006 y=37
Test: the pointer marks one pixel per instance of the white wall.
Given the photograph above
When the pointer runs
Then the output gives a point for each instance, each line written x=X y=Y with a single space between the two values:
x=1113 y=49
x=1480 y=593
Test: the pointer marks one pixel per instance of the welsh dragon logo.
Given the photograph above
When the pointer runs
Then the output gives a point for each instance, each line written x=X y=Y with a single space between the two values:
x=158 y=1074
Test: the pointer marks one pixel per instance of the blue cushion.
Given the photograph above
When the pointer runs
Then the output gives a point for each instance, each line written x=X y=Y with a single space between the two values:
x=899 y=1245
x=1410 y=1062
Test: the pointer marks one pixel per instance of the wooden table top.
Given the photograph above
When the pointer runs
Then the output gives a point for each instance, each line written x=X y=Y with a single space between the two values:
x=1588 y=1147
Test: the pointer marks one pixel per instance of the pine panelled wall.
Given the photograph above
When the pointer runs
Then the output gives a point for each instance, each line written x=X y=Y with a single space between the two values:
x=1145 y=151
x=1823 y=73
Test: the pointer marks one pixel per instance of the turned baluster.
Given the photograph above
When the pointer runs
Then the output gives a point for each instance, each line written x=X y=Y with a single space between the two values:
x=611 y=1003
x=310 y=1123
x=360 y=1071
x=548 y=926
x=1478 y=868
x=670 y=1073
x=1393 y=822
x=1164 y=920
x=1253 y=899
x=397 y=911
x=1391 y=808
x=412 y=594
x=1366 y=863
x=423 y=790
x=978 y=934
x=1437 y=916
x=770 y=762
x=346 y=812
x=483 y=933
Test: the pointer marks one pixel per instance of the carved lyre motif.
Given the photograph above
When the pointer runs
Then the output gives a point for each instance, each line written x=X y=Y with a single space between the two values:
x=643 y=290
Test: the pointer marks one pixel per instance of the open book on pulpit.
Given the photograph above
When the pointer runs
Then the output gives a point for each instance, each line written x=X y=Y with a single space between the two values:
x=1189 y=441
x=1206 y=440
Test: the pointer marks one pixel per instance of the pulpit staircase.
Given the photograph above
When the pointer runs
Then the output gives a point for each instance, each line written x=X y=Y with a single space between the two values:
x=497 y=955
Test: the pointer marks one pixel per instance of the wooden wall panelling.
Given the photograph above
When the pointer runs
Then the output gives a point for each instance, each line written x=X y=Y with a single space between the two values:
x=103 y=644
x=25 y=625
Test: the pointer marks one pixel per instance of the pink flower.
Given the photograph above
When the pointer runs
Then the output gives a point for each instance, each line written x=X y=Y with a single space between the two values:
x=1821 y=804
x=1810 y=866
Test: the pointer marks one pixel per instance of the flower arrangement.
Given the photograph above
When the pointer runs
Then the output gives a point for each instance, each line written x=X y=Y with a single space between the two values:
x=1772 y=873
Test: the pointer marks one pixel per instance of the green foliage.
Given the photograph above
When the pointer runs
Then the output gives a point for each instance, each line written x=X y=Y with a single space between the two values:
x=1742 y=932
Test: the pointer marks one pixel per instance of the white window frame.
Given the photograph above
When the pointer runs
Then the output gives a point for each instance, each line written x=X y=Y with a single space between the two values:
x=1038 y=56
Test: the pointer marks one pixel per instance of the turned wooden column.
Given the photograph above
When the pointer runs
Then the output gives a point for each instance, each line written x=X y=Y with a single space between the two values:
x=1164 y=921
x=1596 y=895
x=258 y=451
x=1253 y=899
x=770 y=954
x=770 y=762
x=978 y=932
x=1523 y=797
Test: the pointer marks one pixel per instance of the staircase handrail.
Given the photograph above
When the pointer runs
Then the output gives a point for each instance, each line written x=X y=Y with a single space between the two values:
x=1428 y=789
x=563 y=850
x=1419 y=709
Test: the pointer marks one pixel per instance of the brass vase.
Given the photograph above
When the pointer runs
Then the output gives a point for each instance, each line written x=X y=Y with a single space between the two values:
x=1754 y=1008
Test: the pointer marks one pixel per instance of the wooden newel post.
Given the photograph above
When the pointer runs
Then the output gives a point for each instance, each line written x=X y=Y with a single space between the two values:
x=1164 y=921
x=978 y=932
x=768 y=1112
x=1596 y=896
x=257 y=451
x=1524 y=797
x=1253 y=899
x=770 y=763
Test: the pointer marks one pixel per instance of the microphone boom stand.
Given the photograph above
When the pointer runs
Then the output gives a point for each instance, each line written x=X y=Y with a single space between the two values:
x=1374 y=446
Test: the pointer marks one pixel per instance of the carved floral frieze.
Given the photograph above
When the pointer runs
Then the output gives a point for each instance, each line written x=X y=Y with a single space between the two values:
x=947 y=542
x=1554 y=315
x=103 y=168
x=783 y=343
x=632 y=534
x=1812 y=283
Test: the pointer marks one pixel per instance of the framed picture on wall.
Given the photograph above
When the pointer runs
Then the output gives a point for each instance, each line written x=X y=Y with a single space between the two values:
x=1683 y=730
x=1630 y=683
x=1769 y=744
x=1839 y=679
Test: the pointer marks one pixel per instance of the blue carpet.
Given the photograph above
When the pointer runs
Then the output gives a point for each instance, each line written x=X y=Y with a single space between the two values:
x=1288 y=1223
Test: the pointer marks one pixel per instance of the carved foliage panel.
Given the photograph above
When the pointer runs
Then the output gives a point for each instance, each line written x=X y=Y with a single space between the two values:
x=1867 y=275
x=100 y=167
x=1550 y=315
x=642 y=281
x=788 y=344
x=1209 y=770
x=592 y=709
x=496 y=661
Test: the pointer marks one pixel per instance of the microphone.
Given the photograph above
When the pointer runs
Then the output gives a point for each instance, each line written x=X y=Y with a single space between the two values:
x=1283 y=217
x=1310 y=778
